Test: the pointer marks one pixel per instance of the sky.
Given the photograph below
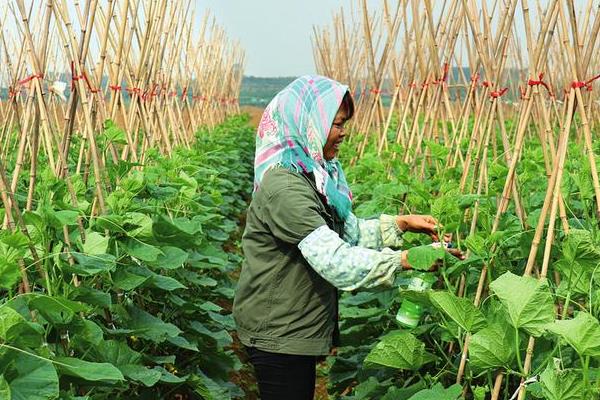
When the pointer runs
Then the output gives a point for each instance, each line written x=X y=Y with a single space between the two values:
x=276 y=34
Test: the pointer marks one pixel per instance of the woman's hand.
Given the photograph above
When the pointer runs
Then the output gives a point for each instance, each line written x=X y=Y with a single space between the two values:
x=418 y=224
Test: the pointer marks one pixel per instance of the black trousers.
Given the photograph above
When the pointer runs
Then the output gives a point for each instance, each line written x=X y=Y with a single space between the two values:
x=283 y=376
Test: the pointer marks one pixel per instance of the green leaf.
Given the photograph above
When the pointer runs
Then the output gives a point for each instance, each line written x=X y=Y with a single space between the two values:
x=492 y=347
x=8 y=319
x=479 y=392
x=437 y=392
x=92 y=296
x=56 y=309
x=142 y=251
x=424 y=257
x=86 y=332
x=582 y=333
x=116 y=352
x=35 y=379
x=165 y=282
x=171 y=258
x=181 y=232
x=225 y=320
x=149 y=327
x=528 y=301
x=579 y=258
x=477 y=245
x=10 y=274
x=460 y=309
x=190 y=185
x=168 y=377
x=207 y=388
x=138 y=225
x=126 y=280
x=66 y=217
x=113 y=134
x=88 y=265
x=562 y=385
x=220 y=338
x=4 y=389
x=95 y=243
x=399 y=349
x=26 y=334
x=90 y=371
x=182 y=342
x=140 y=373
x=15 y=240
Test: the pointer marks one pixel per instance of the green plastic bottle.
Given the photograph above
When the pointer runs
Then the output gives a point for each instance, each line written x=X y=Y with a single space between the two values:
x=410 y=312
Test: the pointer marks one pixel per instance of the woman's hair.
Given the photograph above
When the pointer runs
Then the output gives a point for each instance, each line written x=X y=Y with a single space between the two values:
x=348 y=105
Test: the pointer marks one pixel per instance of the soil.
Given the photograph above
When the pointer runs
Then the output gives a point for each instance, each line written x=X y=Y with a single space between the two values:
x=255 y=114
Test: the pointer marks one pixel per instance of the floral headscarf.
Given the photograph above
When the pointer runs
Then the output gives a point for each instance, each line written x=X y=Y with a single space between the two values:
x=292 y=132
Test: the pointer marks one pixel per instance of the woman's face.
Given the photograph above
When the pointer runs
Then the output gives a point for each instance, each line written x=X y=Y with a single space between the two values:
x=336 y=134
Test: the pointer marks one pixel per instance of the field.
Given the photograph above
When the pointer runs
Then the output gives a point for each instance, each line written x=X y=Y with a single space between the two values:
x=126 y=168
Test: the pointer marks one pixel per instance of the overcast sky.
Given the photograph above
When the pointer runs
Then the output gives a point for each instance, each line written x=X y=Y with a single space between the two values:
x=276 y=34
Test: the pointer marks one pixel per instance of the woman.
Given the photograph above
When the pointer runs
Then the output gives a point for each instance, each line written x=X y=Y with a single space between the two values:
x=302 y=243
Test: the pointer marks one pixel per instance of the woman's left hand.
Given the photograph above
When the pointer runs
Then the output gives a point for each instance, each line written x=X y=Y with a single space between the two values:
x=418 y=224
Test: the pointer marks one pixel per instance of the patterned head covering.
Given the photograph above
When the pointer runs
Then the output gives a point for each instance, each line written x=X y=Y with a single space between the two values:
x=292 y=132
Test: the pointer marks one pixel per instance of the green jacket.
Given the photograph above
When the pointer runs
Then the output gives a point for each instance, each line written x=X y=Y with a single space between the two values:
x=281 y=304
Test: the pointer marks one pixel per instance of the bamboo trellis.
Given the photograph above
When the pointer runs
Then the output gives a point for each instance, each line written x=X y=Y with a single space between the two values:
x=154 y=69
x=457 y=70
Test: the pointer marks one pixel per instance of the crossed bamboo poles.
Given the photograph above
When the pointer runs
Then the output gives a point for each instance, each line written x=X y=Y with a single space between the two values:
x=177 y=78
x=433 y=101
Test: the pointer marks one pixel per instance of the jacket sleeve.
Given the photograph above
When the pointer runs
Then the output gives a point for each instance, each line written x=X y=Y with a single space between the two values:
x=348 y=267
x=372 y=233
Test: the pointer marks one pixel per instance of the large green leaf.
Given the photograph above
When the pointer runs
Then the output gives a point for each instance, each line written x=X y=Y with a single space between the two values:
x=437 y=392
x=56 y=309
x=9 y=273
x=116 y=352
x=95 y=243
x=85 y=332
x=207 y=388
x=13 y=246
x=165 y=282
x=142 y=251
x=138 y=225
x=8 y=319
x=16 y=330
x=140 y=373
x=128 y=279
x=90 y=371
x=91 y=296
x=492 y=347
x=172 y=258
x=66 y=217
x=562 y=385
x=181 y=232
x=581 y=332
x=399 y=349
x=35 y=379
x=476 y=243
x=528 y=301
x=149 y=327
x=460 y=309
x=220 y=338
x=88 y=265
x=424 y=257
x=579 y=258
